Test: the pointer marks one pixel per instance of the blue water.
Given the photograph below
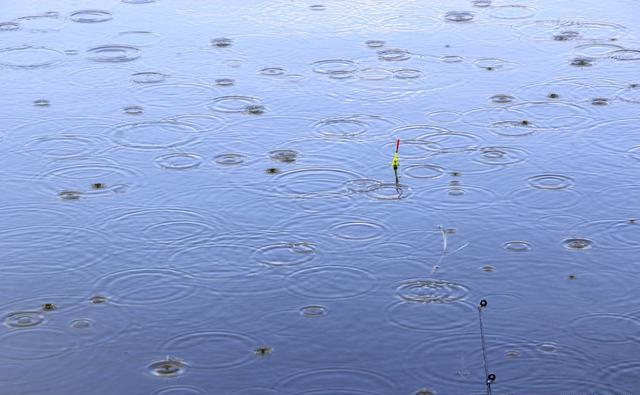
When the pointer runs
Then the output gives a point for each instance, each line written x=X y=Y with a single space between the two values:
x=198 y=198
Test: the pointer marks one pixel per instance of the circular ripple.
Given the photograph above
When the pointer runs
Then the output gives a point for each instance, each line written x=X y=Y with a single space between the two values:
x=139 y=38
x=179 y=161
x=548 y=199
x=90 y=16
x=374 y=74
x=45 y=22
x=178 y=389
x=595 y=50
x=213 y=349
x=41 y=103
x=512 y=11
x=27 y=57
x=98 y=299
x=431 y=291
x=333 y=66
x=550 y=182
x=577 y=244
x=341 y=381
x=462 y=197
x=154 y=135
x=314 y=311
x=221 y=42
x=159 y=225
x=95 y=325
x=566 y=35
x=230 y=159
x=284 y=155
x=484 y=117
x=494 y=64
x=97 y=76
x=552 y=114
x=216 y=260
x=113 y=53
x=600 y=101
x=357 y=230
x=568 y=29
x=394 y=55
x=331 y=282
x=148 y=77
x=423 y=171
x=435 y=317
x=504 y=302
x=133 y=110
x=141 y=287
x=70 y=195
x=390 y=191
x=444 y=116
x=233 y=63
x=9 y=26
x=341 y=127
x=64 y=145
x=46 y=249
x=508 y=355
x=622 y=373
x=405 y=74
x=630 y=94
x=606 y=327
x=459 y=16
x=313 y=182
x=517 y=246
x=374 y=43
x=167 y=368
x=625 y=54
x=204 y=122
x=79 y=175
x=448 y=141
x=34 y=215
x=452 y=59
x=234 y=104
x=341 y=75
x=499 y=155
x=61 y=303
x=164 y=95
x=36 y=344
x=412 y=149
x=513 y=128
x=622 y=234
x=81 y=323
x=286 y=254
x=255 y=109
x=576 y=384
x=502 y=99
x=273 y=71
x=356 y=125
x=615 y=136
x=362 y=185
x=24 y=319
x=339 y=391
x=582 y=61
x=225 y=81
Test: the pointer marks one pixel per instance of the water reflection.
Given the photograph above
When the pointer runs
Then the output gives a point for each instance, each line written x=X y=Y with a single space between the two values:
x=199 y=198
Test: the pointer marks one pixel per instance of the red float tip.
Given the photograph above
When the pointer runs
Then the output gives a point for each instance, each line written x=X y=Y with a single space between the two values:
x=397 y=145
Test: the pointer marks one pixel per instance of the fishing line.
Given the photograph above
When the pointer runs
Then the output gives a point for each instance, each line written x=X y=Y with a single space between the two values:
x=491 y=378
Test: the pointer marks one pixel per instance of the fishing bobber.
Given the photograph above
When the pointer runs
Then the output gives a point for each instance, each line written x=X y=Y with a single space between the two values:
x=394 y=162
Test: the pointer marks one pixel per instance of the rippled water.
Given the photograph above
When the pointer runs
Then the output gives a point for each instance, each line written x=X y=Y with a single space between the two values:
x=198 y=197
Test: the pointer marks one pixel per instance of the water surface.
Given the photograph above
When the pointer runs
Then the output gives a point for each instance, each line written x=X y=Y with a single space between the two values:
x=198 y=199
